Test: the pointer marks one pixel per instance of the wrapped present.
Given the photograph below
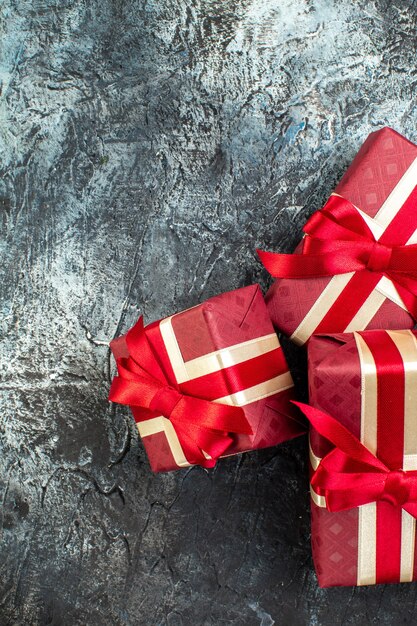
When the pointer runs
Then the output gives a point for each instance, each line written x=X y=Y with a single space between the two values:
x=363 y=451
x=208 y=382
x=356 y=267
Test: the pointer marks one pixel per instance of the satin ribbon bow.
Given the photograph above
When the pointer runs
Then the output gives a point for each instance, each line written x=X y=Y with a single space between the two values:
x=340 y=241
x=200 y=425
x=350 y=475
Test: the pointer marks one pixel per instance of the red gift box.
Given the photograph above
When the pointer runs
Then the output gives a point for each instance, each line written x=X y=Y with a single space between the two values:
x=363 y=506
x=224 y=350
x=379 y=187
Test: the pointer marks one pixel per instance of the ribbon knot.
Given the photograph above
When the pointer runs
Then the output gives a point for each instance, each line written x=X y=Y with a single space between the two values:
x=164 y=401
x=204 y=428
x=379 y=258
x=397 y=488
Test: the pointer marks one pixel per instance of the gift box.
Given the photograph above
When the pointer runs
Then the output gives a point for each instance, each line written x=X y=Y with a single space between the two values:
x=348 y=272
x=208 y=382
x=363 y=453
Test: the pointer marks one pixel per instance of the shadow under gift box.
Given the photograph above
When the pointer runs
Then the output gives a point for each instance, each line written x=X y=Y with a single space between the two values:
x=378 y=181
x=375 y=542
x=199 y=350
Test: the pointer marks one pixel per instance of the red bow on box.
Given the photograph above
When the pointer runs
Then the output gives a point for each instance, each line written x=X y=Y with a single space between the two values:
x=350 y=475
x=339 y=241
x=203 y=427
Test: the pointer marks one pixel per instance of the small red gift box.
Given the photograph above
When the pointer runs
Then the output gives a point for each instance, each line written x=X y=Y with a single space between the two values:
x=210 y=381
x=363 y=453
x=349 y=272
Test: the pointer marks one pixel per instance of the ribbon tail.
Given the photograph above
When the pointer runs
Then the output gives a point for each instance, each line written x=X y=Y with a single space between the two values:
x=214 y=443
x=407 y=289
x=209 y=425
x=205 y=429
x=411 y=508
x=340 y=436
x=201 y=448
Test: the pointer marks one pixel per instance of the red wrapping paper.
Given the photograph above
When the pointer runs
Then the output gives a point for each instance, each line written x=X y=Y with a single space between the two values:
x=339 y=543
x=378 y=168
x=237 y=318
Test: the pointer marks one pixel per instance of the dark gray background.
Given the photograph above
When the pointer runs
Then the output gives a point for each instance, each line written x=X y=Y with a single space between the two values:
x=146 y=149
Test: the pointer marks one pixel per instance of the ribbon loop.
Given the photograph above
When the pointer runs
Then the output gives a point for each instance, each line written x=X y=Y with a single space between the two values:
x=379 y=258
x=397 y=488
x=164 y=401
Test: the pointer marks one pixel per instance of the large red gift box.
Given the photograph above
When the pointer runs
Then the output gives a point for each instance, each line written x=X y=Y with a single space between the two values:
x=367 y=382
x=223 y=350
x=380 y=185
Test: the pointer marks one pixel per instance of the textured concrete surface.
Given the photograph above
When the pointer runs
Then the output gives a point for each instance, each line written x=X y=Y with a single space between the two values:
x=146 y=149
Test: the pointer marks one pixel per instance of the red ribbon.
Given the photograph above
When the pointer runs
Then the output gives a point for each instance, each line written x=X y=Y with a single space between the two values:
x=199 y=424
x=339 y=241
x=350 y=475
